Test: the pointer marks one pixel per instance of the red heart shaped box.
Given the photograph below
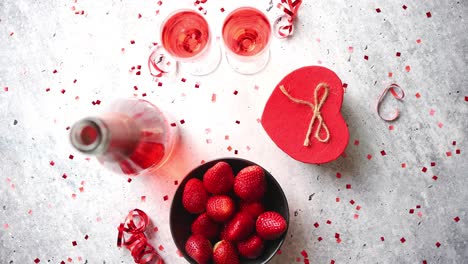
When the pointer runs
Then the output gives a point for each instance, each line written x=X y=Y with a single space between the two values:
x=287 y=122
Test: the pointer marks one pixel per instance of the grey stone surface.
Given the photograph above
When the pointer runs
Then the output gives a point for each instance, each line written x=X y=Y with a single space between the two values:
x=40 y=219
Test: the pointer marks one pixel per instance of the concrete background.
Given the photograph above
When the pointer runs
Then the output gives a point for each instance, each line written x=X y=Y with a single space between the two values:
x=40 y=217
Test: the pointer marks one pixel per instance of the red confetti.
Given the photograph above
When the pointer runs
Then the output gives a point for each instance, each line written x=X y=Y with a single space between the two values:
x=173 y=124
x=398 y=54
x=316 y=225
x=70 y=156
x=338 y=175
x=454 y=143
x=437 y=244
x=458 y=151
x=424 y=169
x=358 y=207
x=366 y=57
x=369 y=156
x=411 y=211
x=390 y=74
x=221 y=9
x=456 y=219
x=63 y=91
x=73 y=196
x=86 y=237
x=408 y=68
x=418 y=41
x=229 y=148
x=356 y=142
x=161 y=248
x=139 y=15
x=132 y=42
x=382 y=238
x=348 y=186
x=391 y=127
x=143 y=198
x=55 y=71
x=356 y=216
x=52 y=163
x=404 y=7
x=424 y=262
x=81 y=189
x=337 y=235
x=129 y=180
x=64 y=176
x=403 y=165
x=213 y=98
x=304 y=254
x=418 y=95
x=235 y=92
x=378 y=10
x=182 y=121
x=37 y=260
x=428 y=14
x=434 y=178
x=402 y=240
x=440 y=125
x=433 y=164
x=319 y=239
x=351 y=201
x=5 y=89
x=418 y=206
x=165 y=198
x=74 y=243
x=337 y=199
x=183 y=80
x=237 y=122
x=383 y=153
x=448 y=153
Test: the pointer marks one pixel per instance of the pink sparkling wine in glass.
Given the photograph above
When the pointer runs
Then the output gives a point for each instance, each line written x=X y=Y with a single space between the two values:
x=246 y=31
x=185 y=34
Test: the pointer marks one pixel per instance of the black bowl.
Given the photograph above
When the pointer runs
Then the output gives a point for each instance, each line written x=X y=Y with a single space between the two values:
x=181 y=220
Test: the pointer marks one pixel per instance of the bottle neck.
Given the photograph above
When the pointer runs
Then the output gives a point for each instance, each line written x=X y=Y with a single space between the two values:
x=110 y=133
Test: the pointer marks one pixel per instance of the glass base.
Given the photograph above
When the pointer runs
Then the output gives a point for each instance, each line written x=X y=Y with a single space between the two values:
x=205 y=65
x=250 y=65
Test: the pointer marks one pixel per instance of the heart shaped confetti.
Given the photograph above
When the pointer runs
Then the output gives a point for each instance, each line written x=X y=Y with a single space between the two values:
x=303 y=118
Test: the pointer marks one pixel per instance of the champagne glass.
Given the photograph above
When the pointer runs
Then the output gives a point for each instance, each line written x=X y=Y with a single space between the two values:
x=186 y=37
x=247 y=34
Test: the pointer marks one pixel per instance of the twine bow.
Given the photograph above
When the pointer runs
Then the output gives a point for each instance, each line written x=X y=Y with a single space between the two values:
x=316 y=112
x=290 y=8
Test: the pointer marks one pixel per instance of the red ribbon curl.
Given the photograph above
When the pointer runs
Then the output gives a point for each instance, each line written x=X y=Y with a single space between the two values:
x=290 y=8
x=131 y=235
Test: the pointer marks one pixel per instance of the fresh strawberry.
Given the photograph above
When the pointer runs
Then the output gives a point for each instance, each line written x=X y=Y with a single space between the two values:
x=240 y=227
x=251 y=248
x=220 y=208
x=199 y=248
x=224 y=252
x=204 y=226
x=270 y=225
x=250 y=183
x=254 y=209
x=219 y=179
x=194 y=197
